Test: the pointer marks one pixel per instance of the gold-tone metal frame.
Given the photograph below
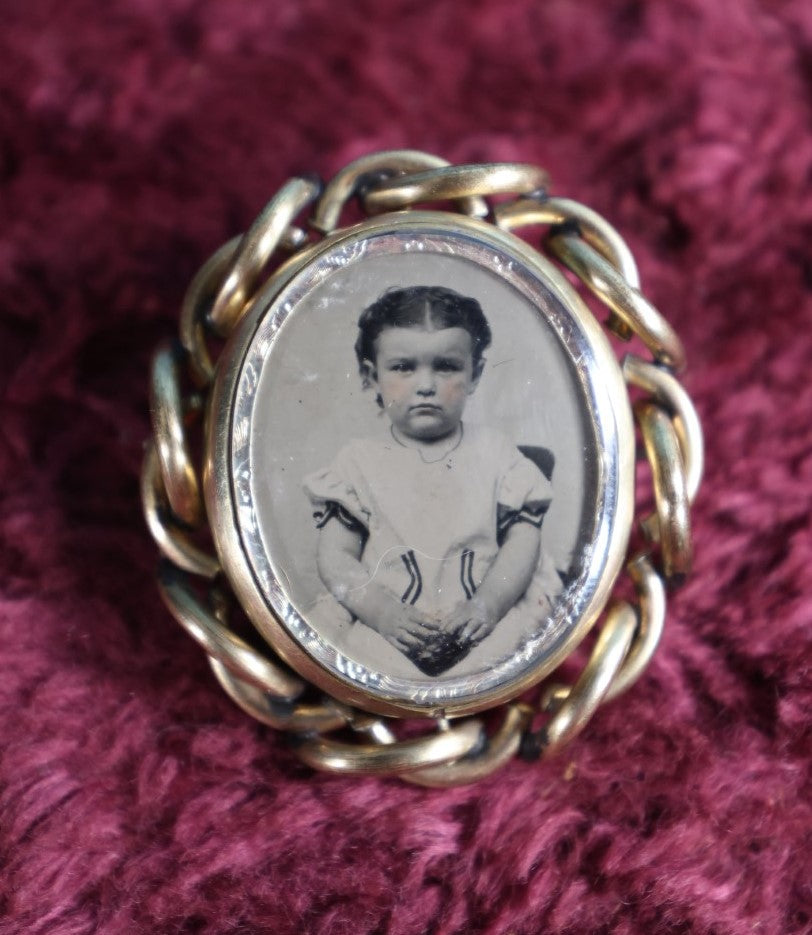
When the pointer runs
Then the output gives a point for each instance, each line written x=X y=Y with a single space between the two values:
x=220 y=496
x=323 y=731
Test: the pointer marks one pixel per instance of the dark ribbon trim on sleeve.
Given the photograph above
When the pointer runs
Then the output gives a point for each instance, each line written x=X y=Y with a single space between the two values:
x=533 y=513
x=333 y=510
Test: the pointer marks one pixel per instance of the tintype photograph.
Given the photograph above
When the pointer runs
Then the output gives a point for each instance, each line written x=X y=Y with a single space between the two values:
x=420 y=467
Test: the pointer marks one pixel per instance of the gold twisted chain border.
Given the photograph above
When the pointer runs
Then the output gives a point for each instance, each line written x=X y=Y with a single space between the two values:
x=325 y=733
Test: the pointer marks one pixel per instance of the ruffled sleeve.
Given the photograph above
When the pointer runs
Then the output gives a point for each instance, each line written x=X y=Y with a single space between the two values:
x=336 y=492
x=523 y=496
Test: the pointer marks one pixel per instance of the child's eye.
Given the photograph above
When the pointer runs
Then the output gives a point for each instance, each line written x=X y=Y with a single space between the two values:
x=401 y=366
x=446 y=365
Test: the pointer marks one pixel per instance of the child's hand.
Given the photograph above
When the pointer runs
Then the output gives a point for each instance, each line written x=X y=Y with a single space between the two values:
x=406 y=627
x=471 y=620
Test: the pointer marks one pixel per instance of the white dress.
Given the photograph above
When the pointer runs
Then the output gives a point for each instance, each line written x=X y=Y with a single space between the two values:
x=432 y=531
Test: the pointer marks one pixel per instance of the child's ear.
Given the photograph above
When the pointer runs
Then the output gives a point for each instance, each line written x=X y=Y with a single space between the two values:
x=369 y=375
x=476 y=373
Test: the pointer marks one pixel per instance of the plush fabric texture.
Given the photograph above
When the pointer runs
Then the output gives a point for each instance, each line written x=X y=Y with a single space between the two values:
x=135 y=138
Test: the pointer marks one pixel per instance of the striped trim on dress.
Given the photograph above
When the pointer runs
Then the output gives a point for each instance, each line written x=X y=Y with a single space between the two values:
x=467 y=573
x=412 y=592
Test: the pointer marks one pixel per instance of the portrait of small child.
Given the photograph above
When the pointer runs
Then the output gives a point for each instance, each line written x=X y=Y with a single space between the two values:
x=430 y=534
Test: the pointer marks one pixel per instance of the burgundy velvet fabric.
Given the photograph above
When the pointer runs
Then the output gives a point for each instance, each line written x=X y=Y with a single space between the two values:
x=134 y=138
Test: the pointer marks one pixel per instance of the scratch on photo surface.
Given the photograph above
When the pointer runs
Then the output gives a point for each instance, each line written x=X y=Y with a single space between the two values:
x=394 y=551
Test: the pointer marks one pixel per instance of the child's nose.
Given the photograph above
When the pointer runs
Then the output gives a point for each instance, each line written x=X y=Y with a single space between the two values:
x=425 y=381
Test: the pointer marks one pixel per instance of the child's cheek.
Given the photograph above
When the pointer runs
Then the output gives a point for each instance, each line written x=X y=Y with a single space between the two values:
x=456 y=388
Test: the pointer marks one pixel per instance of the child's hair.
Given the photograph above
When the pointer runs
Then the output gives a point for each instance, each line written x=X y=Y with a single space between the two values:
x=412 y=308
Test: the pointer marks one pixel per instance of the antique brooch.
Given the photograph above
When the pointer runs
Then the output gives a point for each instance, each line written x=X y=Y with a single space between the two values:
x=393 y=467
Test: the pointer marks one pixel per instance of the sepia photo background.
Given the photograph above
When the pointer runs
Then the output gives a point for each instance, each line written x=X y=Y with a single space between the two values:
x=310 y=402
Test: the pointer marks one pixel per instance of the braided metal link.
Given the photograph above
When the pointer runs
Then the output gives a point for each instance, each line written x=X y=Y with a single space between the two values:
x=593 y=227
x=460 y=751
x=592 y=249
x=203 y=625
x=388 y=755
x=650 y=624
x=355 y=178
x=180 y=477
x=271 y=229
x=198 y=300
x=174 y=541
x=454 y=182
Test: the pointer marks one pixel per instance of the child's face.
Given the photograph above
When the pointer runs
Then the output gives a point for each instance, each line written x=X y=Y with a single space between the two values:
x=424 y=379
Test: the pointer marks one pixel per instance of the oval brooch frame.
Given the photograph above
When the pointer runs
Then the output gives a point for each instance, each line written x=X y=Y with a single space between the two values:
x=516 y=388
x=241 y=528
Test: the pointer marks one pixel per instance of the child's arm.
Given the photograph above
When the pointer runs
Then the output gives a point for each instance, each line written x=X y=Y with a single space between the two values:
x=339 y=554
x=504 y=583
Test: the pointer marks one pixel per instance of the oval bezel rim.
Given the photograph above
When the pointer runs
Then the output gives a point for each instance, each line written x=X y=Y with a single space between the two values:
x=220 y=498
